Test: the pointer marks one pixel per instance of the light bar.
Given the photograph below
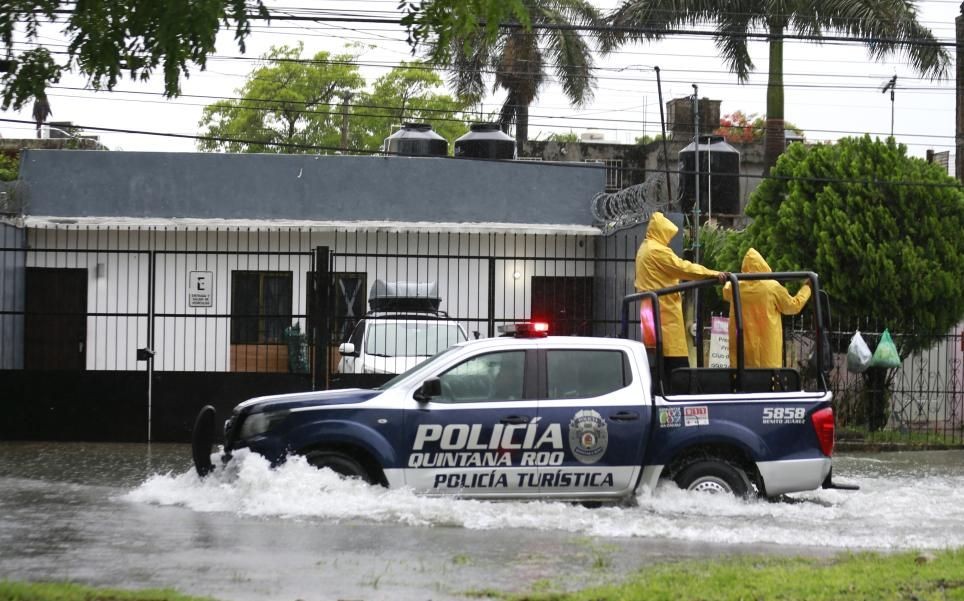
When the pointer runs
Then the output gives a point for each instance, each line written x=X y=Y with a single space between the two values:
x=526 y=329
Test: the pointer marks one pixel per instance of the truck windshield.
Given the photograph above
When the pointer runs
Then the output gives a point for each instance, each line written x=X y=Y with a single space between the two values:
x=411 y=338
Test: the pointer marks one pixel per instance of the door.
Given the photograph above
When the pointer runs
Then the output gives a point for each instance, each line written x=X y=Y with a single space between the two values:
x=55 y=321
x=564 y=302
x=476 y=437
x=603 y=424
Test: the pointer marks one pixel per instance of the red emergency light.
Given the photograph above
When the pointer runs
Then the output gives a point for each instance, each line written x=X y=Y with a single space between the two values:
x=526 y=329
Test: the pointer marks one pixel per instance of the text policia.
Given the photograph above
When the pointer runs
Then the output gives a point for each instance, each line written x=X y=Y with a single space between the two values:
x=464 y=445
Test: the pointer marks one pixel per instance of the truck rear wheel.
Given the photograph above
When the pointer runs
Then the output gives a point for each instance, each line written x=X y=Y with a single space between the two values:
x=341 y=464
x=714 y=476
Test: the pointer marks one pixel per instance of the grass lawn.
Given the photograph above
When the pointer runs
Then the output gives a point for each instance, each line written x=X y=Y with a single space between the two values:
x=864 y=576
x=25 y=591
x=848 y=577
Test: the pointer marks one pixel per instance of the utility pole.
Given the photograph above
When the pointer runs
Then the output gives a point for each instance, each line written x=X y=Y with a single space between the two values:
x=892 y=86
x=698 y=331
x=344 y=122
x=959 y=126
x=662 y=125
x=696 y=176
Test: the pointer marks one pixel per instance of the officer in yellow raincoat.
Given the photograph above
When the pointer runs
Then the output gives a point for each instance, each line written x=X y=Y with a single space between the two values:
x=657 y=266
x=763 y=302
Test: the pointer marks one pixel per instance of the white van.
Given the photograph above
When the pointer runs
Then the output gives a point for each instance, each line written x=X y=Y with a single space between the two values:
x=392 y=342
x=403 y=328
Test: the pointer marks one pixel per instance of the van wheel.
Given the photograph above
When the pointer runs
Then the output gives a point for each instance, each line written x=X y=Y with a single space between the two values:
x=341 y=464
x=715 y=476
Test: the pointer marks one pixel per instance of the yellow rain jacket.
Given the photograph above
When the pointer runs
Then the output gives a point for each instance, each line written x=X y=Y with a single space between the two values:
x=657 y=266
x=763 y=303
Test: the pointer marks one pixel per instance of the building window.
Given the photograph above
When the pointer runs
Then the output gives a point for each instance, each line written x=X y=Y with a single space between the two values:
x=260 y=306
x=614 y=172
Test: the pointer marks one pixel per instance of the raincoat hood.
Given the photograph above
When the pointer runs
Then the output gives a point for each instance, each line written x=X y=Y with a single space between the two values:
x=764 y=302
x=660 y=229
x=657 y=266
x=753 y=262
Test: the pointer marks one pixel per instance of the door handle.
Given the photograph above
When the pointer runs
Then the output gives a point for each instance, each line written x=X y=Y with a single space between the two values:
x=515 y=419
x=624 y=416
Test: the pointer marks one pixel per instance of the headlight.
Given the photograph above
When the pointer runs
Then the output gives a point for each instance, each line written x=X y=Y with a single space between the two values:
x=259 y=423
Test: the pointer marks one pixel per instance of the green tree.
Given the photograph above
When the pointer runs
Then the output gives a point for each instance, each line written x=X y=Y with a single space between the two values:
x=519 y=58
x=444 y=24
x=410 y=92
x=568 y=137
x=885 y=26
x=108 y=38
x=882 y=229
x=9 y=167
x=286 y=101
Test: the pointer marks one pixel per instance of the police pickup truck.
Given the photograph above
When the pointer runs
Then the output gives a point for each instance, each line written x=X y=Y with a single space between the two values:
x=536 y=416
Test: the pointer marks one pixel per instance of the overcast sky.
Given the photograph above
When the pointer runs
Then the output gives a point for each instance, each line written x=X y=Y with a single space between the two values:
x=832 y=90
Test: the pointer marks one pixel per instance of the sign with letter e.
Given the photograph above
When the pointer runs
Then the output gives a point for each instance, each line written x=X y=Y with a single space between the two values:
x=200 y=289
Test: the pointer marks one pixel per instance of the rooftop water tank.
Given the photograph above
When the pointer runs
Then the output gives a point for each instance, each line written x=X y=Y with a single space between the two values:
x=485 y=141
x=416 y=139
x=719 y=176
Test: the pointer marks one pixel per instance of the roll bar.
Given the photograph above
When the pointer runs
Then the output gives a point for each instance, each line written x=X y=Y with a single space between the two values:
x=734 y=279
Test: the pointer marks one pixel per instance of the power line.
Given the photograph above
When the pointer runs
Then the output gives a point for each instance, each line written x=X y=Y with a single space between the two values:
x=638 y=68
x=645 y=31
x=443 y=111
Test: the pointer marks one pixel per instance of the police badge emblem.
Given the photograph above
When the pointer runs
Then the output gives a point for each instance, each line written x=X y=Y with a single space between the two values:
x=588 y=437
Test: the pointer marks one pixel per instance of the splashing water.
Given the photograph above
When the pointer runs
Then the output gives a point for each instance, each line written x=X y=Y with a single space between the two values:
x=894 y=509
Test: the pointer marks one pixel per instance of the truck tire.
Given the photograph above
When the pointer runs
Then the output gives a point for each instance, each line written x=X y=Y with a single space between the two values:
x=715 y=476
x=202 y=441
x=341 y=464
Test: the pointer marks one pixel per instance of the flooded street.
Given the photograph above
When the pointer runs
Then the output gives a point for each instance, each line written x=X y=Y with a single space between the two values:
x=129 y=516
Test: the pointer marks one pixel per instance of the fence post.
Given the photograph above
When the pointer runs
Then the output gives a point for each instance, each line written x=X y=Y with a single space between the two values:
x=321 y=320
x=491 y=297
x=152 y=290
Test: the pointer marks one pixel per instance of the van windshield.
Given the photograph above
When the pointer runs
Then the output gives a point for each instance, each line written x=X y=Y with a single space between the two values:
x=411 y=338
x=414 y=368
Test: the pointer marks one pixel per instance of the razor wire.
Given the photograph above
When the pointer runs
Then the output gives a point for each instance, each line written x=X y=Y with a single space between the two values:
x=632 y=205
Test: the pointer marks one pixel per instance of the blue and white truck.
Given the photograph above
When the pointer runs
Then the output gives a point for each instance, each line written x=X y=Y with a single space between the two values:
x=530 y=415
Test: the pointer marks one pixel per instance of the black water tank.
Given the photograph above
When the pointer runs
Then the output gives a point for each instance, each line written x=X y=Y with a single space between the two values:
x=485 y=141
x=416 y=139
x=719 y=179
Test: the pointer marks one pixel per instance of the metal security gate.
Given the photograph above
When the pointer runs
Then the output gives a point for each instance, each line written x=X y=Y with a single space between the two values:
x=483 y=281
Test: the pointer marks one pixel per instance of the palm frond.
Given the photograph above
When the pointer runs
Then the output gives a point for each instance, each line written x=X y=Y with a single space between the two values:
x=888 y=26
x=644 y=19
x=731 y=39
x=567 y=50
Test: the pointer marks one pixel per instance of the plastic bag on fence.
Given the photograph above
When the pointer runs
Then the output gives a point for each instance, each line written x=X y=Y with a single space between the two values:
x=647 y=323
x=858 y=354
x=886 y=354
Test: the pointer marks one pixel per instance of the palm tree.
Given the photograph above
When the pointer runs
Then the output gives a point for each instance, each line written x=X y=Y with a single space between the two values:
x=41 y=110
x=519 y=57
x=885 y=26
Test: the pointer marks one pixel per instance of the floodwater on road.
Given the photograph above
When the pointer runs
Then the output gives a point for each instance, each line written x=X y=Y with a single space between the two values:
x=138 y=516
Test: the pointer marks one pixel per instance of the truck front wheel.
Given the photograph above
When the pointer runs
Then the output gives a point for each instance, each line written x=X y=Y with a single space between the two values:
x=714 y=476
x=339 y=463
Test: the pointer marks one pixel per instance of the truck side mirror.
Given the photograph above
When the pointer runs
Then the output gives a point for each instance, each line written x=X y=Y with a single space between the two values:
x=430 y=388
x=347 y=348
